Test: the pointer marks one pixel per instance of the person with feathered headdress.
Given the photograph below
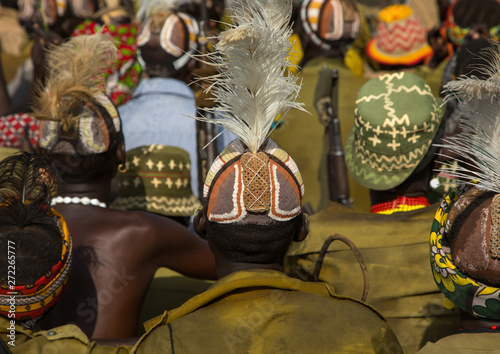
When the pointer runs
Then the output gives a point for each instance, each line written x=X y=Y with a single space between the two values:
x=252 y=213
x=464 y=240
x=116 y=252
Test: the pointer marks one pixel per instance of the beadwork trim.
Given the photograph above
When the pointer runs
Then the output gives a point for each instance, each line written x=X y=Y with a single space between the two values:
x=78 y=200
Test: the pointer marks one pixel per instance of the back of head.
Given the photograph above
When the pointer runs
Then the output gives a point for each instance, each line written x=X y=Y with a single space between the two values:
x=330 y=25
x=253 y=190
x=167 y=38
x=471 y=60
x=80 y=127
x=396 y=118
x=60 y=16
x=33 y=237
x=464 y=18
x=465 y=237
x=253 y=203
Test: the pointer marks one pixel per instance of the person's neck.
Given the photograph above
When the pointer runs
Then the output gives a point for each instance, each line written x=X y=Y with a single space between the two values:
x=99 y=189
x=225 y=268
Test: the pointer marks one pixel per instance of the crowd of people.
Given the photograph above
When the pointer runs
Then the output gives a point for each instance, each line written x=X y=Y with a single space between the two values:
x=232 y=142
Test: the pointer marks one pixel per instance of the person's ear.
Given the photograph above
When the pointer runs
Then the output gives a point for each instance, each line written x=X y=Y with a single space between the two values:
x=120 y=154
x=303 y=230
x=200 y=223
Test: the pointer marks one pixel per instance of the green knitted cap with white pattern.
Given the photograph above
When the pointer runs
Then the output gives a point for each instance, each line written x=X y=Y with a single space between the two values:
x=396 y=117
x=158 y=180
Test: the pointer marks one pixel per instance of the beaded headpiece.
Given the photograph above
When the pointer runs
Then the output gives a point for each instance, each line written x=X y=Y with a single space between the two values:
x=253 y=180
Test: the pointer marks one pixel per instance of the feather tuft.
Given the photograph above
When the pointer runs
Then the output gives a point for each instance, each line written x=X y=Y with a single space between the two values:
x=251 y=87
x=477 y=147
x=75 y=73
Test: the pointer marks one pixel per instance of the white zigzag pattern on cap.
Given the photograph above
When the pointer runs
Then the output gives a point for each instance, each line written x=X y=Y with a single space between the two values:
x=394 y=162
x=388 y=103
x=166 y=204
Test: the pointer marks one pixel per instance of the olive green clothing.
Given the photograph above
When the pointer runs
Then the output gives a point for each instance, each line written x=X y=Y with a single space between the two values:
x=63 y=339
x=265 y=311
x=303 y=136
x=465 y=343
x=395 y=249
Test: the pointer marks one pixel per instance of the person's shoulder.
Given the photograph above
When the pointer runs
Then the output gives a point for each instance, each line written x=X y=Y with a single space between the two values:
x=140 y=222
x=63 y=339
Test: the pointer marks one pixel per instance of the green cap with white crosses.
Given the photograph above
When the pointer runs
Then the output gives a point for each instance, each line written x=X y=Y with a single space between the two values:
x=158 y=180
x=396 y=117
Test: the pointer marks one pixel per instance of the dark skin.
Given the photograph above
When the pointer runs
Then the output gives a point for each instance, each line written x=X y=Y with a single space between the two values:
x=116 y=256
x=225 y=267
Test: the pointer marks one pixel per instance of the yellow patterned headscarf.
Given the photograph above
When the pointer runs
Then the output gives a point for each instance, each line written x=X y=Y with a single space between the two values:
x=469 y=295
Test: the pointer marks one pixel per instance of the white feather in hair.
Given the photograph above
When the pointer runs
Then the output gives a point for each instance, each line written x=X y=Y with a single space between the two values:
x=251 y=88
x=477 y=146
x=75 y=71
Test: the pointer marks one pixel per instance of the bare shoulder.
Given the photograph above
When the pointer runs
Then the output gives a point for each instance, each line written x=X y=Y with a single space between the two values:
x=147 y=225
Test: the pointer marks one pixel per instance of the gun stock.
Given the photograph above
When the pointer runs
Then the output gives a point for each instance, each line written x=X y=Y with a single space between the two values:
x=326 y=97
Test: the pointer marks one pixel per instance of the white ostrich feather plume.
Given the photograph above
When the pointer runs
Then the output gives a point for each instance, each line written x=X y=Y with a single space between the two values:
x=252 y=88
x=478 y=143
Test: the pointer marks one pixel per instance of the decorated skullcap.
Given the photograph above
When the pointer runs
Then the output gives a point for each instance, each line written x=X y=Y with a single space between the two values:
x=49 y=10
x=123 y=77
x=464 y=251
x=464 y=15
x=395 y=120
x=31 y=301
x=97 y=127
x=241 y=185
x=330 y=23
x=158 y=180
x=76 y=117
x=401 y=38
x=18 y=129
x=173 y=33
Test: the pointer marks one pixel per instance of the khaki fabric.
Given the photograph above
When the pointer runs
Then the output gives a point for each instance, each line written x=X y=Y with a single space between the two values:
x=63 y=339
x=263 y=311
x=395 y=249
x=465 y=343
x=303 y=136
x=22 y=335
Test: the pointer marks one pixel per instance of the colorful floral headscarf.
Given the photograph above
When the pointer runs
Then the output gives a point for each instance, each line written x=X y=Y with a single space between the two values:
x=124 y=77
